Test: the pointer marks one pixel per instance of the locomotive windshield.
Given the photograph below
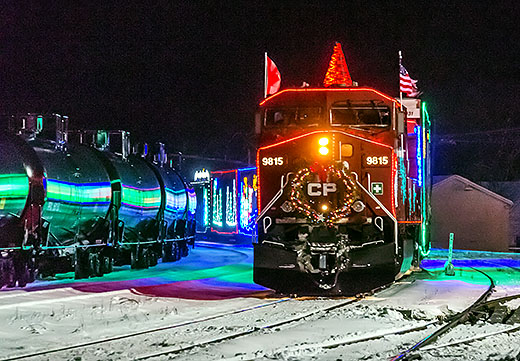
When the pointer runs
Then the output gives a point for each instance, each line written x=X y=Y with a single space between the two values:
x=299 y=117
x=367 y=114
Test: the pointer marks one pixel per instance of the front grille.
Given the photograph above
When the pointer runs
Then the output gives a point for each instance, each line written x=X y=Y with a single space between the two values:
x=319 y=247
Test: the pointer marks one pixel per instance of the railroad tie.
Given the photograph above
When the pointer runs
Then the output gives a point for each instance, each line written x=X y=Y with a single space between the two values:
x=499 y=314
x=514 y=318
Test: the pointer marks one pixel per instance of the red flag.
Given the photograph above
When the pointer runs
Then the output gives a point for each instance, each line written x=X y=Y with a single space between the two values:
x=272 y=77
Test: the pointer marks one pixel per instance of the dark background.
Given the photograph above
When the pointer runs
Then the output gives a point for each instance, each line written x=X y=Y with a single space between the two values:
x=190 y=73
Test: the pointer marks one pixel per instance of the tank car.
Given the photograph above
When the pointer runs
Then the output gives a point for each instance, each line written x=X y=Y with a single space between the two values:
x=82 y=201
x=343 y=190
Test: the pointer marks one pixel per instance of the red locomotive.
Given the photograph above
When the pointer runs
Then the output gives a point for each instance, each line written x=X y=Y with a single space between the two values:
x=343 y=190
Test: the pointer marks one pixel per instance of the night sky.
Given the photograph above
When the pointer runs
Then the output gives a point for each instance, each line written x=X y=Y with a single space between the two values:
x=190 y=73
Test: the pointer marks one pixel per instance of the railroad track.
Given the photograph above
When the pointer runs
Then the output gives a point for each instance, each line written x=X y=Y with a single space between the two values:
x=492 y=311
x=275 y=326
x=454 y=321
x=480 y=309
x=68 y=295
x=150 y=339
x=178 y=345
x=99 y=342
x=247 y=331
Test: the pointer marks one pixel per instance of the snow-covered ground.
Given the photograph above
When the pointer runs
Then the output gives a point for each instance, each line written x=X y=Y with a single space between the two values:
x=217 y=281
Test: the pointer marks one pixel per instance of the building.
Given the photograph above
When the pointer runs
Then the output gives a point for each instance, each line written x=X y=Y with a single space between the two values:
x=478 y=217
x=509 y=190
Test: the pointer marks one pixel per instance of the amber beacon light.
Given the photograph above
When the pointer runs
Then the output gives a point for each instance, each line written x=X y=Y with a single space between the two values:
x=323 y=142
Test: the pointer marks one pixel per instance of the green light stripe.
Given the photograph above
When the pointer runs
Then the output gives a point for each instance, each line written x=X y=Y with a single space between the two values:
x=78 y=193
x=14 y=185
x=142 y=197
x=14 y=190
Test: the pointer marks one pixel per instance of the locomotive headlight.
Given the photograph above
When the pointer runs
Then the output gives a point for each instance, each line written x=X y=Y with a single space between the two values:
x=324 y=150
x=358 y=206
x=324 y=207
x=323 y=142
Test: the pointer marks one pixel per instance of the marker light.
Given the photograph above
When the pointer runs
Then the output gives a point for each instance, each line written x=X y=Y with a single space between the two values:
x=358 y=206
x=324 y=150
x=323 y=141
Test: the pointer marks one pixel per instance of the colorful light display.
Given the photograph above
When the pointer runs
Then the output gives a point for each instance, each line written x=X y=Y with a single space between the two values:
x=205 y=207
x=337 y=73
x=14 y=190
x=143 y=198
x=231 y=205
x=78 y=193
x=175 y=200
x=419 y=134
x=248 y=199
x=363 y=89
x=216 y=201
x=424 y=246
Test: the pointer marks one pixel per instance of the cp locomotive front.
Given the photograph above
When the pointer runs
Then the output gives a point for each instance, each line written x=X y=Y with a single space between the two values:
x=342 y=190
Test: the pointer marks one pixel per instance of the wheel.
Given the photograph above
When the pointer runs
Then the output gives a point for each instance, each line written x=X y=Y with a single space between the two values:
x=78 y=264
x=153 y=258
x=94 y=265
x=185 y=250
x=105 y=265
x=167 y=252
x=21 y=270
x=10 y=271
x=24 y=276
x=145 y=259
x=175 y=251
x=3 y=274
x=134 y=258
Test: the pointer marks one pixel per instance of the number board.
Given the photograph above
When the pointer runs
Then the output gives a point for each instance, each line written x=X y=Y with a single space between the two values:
x=272 y=161
x=376 y=161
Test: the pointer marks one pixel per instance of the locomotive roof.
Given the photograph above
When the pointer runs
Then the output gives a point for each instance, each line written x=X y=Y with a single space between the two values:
x=319 y=96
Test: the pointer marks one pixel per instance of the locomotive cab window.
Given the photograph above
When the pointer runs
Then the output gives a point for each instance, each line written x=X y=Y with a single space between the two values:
x=369 y=114
x=297 y=117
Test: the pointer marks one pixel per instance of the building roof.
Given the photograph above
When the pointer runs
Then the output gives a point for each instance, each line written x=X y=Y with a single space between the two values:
x=509 y=190
x=473 y=185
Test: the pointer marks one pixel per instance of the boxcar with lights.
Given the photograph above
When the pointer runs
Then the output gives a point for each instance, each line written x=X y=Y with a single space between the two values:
x=227 y=208
x=343 y=190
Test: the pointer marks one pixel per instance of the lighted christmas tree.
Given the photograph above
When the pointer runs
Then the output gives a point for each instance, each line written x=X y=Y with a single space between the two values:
x=231 y=205
x=217 y=201
x=337 y=74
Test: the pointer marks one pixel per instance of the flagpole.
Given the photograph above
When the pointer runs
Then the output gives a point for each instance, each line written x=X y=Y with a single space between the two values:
x=400 y=92
x=265 y=75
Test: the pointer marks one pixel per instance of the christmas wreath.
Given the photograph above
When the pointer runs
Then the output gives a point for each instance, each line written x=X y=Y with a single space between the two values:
x=324 y=209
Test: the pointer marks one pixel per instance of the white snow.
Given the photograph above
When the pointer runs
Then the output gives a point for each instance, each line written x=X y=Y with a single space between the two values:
x=216 y=281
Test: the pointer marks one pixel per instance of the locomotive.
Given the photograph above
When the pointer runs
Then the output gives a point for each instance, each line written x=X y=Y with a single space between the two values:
x=82 y=201
x=343 y=190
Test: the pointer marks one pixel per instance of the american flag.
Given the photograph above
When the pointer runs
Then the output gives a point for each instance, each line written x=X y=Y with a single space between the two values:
x=408 y=85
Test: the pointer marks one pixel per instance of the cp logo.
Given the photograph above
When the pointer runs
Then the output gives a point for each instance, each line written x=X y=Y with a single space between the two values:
x=318 y=189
